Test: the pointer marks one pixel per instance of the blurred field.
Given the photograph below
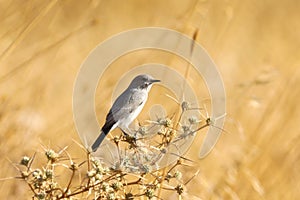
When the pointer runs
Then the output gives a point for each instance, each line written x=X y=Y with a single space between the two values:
x=255 y=44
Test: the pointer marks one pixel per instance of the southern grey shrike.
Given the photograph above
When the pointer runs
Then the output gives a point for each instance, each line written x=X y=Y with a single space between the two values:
x=126 y=107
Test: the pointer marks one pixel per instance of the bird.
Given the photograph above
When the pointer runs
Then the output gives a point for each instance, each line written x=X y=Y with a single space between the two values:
x=126 y=107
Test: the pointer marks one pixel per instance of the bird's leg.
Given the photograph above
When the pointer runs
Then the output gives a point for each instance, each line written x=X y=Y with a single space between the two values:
x=130 y=139
x=125 y=135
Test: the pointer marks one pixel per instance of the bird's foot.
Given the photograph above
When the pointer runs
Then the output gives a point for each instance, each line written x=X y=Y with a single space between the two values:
x=129 y=139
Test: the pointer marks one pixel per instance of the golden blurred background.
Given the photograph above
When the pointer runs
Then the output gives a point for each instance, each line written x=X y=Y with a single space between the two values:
x=255 y=45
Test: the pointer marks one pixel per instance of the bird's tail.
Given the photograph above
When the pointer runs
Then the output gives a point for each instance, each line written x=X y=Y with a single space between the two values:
x=98 y=141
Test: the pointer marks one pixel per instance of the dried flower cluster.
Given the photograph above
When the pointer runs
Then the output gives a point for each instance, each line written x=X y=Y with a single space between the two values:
x=153 y=145
x=140 y=168
x=97 y=182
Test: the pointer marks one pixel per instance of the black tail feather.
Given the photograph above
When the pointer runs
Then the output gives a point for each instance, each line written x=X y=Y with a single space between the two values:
x=110 y=122
x=98 y=141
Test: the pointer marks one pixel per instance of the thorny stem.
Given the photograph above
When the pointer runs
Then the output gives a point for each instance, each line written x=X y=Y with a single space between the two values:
x=95 y=185
x=186 y=75
x=31 y=188
x=69 y=184
x=89 y=160
x=207 y=123
x=88 y=164
x=177 y=163
x=151 y=184
x=133 y=183
x=85 y=189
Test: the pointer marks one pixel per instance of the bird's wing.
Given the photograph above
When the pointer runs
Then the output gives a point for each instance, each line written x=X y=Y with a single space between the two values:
x=114 y=113
x=136 y=99
x=109 y=123
x=126 y=103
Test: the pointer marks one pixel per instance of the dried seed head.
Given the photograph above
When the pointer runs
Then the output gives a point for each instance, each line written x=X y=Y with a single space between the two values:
x=101 y=170
x=168 y=122
x=177 y=175
x=117 y=186
x=51 y=155
x=179 y=189
x=193 y=120
x=98 y=177
x=48 y=173
x=185 y=129
x=161 y=131
x=37 y=174
x=156 y=185
x=96 y=163
x=73 y=166
x=171 y=133
x=165 y=122
x=25 y=161
x=111 y=196
x=91 y=173
x=129 y=196
x=163 y=150
x=105 y=187
x=185 y=105
x=38 y=178
x=168 y=177
x=149 y=193
x=142 y=130
x=209 y=121
x=40 y=195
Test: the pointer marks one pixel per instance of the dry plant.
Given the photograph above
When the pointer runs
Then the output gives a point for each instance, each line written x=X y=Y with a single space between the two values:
x=131 y=176
x=143 y=164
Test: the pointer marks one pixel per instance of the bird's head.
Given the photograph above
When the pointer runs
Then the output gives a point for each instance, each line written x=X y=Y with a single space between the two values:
x=143 y=81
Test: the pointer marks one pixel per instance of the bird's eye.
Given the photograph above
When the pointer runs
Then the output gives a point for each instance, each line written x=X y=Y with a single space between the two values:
x=145 y=85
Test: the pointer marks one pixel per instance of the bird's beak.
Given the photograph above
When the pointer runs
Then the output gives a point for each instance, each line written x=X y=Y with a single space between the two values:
x=155 y=81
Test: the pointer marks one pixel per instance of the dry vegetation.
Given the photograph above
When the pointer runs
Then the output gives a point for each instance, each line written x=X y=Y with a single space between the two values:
x=254 y=43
